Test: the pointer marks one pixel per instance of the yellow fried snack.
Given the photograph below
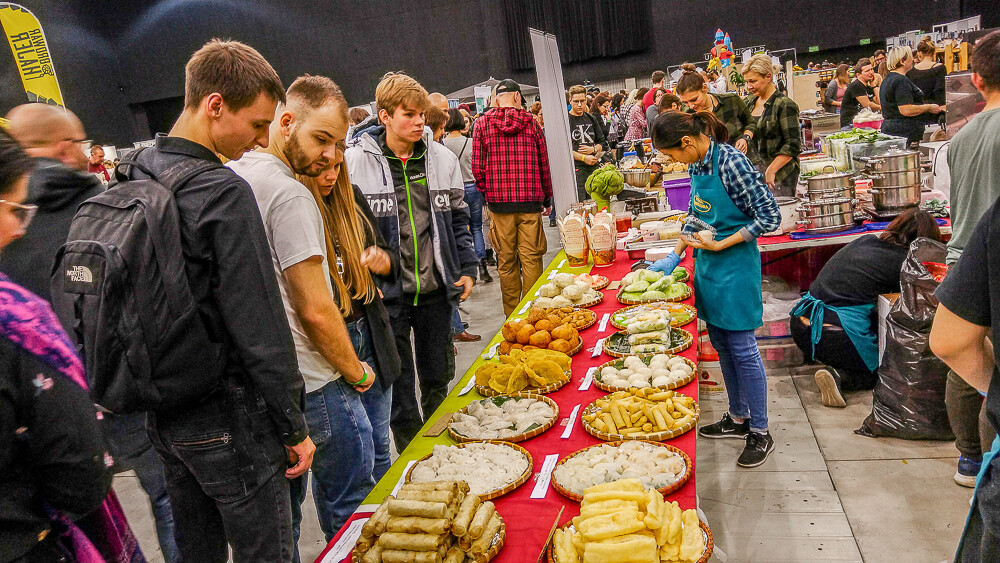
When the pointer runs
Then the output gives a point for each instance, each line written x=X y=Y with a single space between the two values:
x=692 y=540
x=619 y=485
x=652 y=518
x=611 y=525
x=638 y=412
x=484 y=373
x=547 y=370
x=534 y=378
x=625 y=549
x=562 y=545
x=518 y=380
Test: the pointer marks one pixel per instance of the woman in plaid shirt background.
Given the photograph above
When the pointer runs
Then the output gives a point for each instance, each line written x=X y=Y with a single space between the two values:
x=776 y=140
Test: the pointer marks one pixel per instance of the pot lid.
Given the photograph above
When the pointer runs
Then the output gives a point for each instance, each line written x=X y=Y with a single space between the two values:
x=894 y=152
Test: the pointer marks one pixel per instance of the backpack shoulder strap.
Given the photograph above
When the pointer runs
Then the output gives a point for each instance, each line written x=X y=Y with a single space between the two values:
x=172 y=178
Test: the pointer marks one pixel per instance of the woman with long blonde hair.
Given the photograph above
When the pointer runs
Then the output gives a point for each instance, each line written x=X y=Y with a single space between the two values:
x=357 y=255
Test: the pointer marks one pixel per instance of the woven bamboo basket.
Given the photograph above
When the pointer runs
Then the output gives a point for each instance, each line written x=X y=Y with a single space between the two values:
x=669 y=489
x=677 y=384
x=517 y=437
x=649 y=437
x=521 y=479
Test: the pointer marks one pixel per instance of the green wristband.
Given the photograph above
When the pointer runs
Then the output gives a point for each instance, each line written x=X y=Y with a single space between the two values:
x=362 y=381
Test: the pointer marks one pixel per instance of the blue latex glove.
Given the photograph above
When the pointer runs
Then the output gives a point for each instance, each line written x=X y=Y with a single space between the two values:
x=666 y=265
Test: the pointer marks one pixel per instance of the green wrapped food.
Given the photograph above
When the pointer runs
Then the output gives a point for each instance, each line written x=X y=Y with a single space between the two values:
x=661 y=284
x=680 y=274
x=650 y=275
x=637 y=287
x=634 y=296
x=675 y=290
x=653 y=296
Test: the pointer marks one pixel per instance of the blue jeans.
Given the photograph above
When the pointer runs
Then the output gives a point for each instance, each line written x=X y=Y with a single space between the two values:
x=129 y=446
x=474 y=199
x=377 y=401
x=225 y=464
x=344 y=459
x=743 y=370
x=457 y=326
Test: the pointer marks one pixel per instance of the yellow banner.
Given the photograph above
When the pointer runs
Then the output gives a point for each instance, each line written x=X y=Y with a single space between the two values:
x=31 y=54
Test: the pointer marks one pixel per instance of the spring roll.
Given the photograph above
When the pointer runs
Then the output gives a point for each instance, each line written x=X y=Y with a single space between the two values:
x=416 y=525
x=454 y=555
x=374 y=554
x=400 y=556
x=481 y=545
x=444 y=497
x=479 y=521
x=410 y=542
x=368 y=530
x=364 y=544
x=417 y=508
x=466 y=511
x=437 y=486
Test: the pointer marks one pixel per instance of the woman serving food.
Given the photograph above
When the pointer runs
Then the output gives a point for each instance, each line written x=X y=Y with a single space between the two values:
x=730 y=196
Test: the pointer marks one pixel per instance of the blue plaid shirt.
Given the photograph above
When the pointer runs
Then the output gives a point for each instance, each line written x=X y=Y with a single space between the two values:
x=745 y=186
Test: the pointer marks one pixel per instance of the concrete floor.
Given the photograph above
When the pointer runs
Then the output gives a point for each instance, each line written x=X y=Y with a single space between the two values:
x=826 y=494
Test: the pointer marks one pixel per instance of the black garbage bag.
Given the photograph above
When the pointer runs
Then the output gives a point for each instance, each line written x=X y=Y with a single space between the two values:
x=908 y=401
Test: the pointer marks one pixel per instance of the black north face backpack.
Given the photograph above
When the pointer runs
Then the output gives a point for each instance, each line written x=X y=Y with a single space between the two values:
x=120 y=288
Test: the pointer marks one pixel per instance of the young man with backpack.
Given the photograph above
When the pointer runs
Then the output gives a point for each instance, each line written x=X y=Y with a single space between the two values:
x=414 y=188
x=306 y=137
x=587 y=138
x=198 y=339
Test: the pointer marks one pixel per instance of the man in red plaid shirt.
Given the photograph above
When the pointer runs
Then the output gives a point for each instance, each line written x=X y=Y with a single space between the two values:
x=511 y=167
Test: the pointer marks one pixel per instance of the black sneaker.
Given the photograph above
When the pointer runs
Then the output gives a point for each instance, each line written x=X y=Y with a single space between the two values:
x=491 y=258
x=758 y=447
x=725 y=428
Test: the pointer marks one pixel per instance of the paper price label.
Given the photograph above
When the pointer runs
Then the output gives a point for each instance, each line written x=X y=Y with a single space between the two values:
x=468 y=386
x=525 y=308
x=561 y=262
x=345 y=544
x=489 y=354
x=604 y=322
x=552 y=274
x=544 y=476
x=588 y=379
x=570 y=422
x=598 y=348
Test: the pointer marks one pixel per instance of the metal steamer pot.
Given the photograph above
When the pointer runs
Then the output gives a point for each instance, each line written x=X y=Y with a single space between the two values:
x=788 y=207
x=827 y=216
x=893 y=160
x=909 y=177
x=830 y=185
x=895 y=198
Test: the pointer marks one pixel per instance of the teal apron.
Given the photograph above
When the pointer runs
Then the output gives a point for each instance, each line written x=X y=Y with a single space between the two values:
x=854 y=319
x=727 y=282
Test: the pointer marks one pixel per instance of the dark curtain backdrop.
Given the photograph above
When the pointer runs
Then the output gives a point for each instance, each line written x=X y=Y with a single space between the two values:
x=587 y=29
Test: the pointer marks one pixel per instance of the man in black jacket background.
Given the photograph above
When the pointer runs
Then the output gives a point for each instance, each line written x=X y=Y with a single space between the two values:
x=58 y=185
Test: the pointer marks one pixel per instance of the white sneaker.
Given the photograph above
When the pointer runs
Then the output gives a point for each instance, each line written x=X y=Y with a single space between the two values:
x=829 y=390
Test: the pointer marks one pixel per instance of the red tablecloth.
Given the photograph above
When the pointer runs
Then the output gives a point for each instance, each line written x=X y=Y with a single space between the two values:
x=528 y=520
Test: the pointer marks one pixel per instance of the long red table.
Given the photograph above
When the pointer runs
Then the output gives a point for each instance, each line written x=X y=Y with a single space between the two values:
x=528 y=520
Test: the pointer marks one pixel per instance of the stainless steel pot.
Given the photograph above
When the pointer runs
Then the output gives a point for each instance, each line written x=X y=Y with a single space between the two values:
x=829 y=181
x=900 y=178
x=788 y=207
x=827 y=216
x=894 y=198
x=893 y=160
x=832 y=193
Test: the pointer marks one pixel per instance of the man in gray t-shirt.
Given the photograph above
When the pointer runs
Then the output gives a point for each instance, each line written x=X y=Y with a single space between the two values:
x=974 y=164
x=305 y=138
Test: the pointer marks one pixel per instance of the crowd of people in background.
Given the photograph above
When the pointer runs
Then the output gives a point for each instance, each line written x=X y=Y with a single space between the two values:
x=327 y=253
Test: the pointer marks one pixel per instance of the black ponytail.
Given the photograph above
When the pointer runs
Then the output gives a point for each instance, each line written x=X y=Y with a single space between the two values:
x=671 y=126
x=14 y=163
